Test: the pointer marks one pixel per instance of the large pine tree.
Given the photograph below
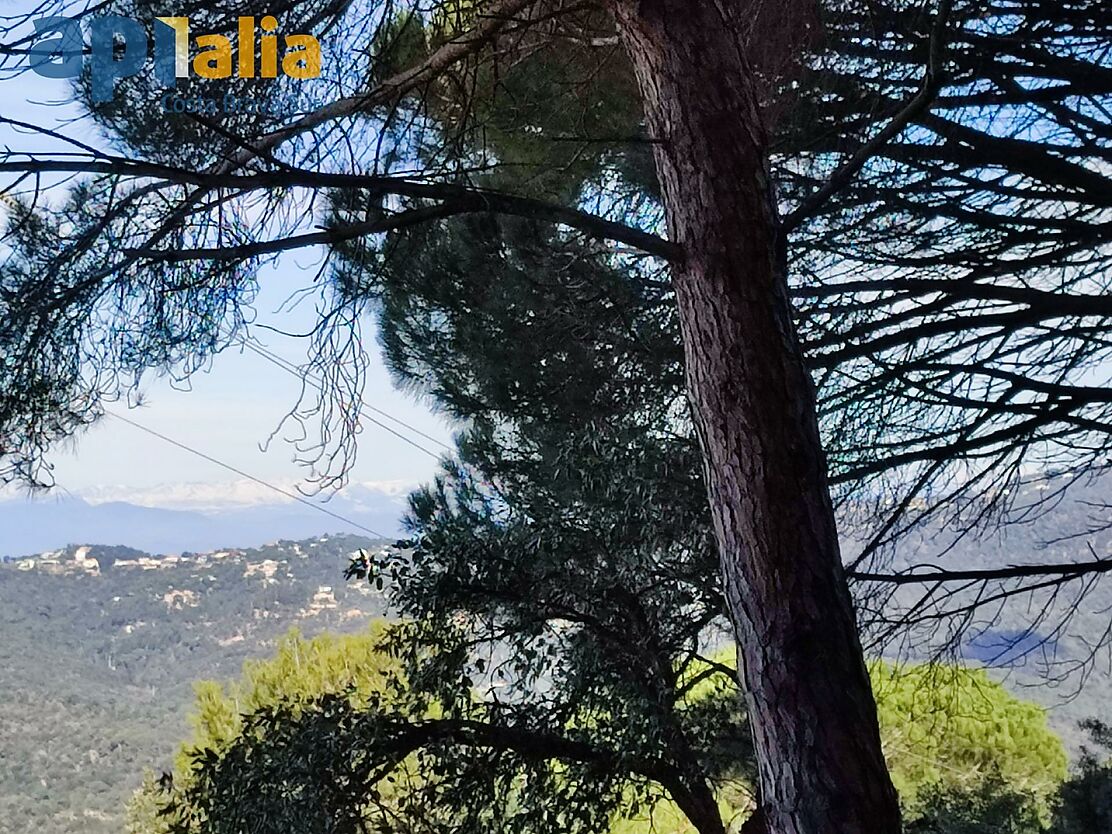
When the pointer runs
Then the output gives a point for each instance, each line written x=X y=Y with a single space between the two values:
x=953 y=151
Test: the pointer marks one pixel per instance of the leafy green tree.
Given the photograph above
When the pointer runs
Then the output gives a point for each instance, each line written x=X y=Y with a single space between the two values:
x=353 y=667
x=300 y=672
x=425 y=752
x=144 y=812
x=336 y=736
x=999 y=805
x=951 y=737
x=954 y=729
x=992 y=807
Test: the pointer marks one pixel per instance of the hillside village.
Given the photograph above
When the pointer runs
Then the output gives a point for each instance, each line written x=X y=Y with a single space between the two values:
x=102 y=647
x=85 y=560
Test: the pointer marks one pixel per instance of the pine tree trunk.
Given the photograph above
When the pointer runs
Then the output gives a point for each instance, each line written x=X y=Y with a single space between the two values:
x=811 y=707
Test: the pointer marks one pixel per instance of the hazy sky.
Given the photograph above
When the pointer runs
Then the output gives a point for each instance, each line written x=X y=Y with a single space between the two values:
x=234 y=407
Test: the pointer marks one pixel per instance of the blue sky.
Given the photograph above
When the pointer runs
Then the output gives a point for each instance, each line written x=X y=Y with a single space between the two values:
x=234 y=407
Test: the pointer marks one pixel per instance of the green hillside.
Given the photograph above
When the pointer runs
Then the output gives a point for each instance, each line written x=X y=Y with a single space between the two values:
x=98 y=661
x=102 y=647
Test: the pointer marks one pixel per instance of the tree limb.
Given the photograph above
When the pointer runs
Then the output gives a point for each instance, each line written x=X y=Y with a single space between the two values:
x=932 y=81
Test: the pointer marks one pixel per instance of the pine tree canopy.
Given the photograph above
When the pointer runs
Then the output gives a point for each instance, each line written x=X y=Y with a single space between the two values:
x=490 y=180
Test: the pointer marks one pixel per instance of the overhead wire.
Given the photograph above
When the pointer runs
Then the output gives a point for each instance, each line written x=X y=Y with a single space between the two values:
x=211 y=459
x=317 y=383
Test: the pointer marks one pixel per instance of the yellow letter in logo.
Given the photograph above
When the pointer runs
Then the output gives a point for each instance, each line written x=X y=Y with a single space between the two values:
x=302 y=58
x=246 y=46
x=215 y=62
x=268 y=46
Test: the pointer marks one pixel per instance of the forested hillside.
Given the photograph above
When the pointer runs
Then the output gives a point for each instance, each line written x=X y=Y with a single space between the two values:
x=1051 y=647
x=101 y=647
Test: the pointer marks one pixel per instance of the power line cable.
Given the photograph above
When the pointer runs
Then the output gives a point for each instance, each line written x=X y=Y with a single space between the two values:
x=299 y=498
x=318 y=383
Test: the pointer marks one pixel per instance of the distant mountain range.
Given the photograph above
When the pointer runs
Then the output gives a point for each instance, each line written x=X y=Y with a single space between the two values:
x=192 y=517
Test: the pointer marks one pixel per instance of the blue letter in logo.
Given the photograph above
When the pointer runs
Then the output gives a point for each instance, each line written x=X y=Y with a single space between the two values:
x=68 y=47
x=105 y=68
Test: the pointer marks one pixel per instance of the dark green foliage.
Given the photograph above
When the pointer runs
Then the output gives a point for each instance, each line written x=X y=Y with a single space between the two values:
x=992 y=808
x=573 y=524
x=1085 y=801
x=330 y=769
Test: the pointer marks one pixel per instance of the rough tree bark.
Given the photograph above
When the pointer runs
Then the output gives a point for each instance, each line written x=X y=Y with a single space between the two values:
x=810 y=703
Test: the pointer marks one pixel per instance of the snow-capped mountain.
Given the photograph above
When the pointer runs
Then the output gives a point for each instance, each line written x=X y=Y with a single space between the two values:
x=208 y=497
x=177 y=517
